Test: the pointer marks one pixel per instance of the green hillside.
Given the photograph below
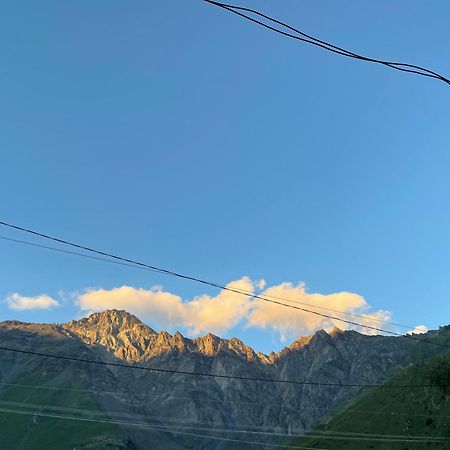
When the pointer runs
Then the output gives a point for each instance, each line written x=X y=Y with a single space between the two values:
x=28 y=401
x=391 y=418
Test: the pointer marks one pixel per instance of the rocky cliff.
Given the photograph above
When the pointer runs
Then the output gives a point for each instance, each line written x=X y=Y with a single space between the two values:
x=199 y=405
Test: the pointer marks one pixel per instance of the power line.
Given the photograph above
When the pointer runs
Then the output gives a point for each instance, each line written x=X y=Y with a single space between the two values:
x=337 y=434
x=162 y=428
x=176 y=430
x=210 y=400
x=174 y=421
x=343 y=435
x=184 y=424
x=84 y=255
x=68 y=252
x=216 y=285
x=166 y=398
x=211 y=375
x=411 y=68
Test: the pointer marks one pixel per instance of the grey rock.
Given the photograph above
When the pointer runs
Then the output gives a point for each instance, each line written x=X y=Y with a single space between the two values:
x=201 y=404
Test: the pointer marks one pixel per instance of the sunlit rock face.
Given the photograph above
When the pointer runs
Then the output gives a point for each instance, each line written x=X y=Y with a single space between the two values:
x=117 y=331
x=128 y=338
x=205 y=402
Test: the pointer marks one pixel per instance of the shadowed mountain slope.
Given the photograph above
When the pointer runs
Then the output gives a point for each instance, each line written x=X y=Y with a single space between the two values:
x=420 y=413
x=189 y=404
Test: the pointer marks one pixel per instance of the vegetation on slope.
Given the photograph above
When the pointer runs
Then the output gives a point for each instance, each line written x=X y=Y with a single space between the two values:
x=411 y=412
x=37 y=392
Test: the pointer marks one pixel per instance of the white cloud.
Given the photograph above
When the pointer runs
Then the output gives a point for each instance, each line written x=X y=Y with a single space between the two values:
x=419 y=329
x=261 y=284
x=291 y=323
x=20 y=303
x=201 y=314
x=222 y=312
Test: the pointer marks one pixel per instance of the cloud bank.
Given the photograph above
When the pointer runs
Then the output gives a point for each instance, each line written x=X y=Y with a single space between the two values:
x=201 y=314
x=18 y=302
x=292 y=323
x=224 y=311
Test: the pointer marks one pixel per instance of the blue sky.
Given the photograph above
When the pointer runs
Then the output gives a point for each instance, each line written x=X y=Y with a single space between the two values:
x=177 y=134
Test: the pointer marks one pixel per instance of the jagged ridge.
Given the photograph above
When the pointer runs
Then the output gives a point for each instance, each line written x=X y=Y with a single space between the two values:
x=128 y=338
x=338 y=356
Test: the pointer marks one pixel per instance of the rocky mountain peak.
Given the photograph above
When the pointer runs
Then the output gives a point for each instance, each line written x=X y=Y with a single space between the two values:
x=336 y=356
x=335 y=331
x=124 y=335
x=319 y=339
x=209 y=344
x=110 y=319
x=300 y=342
x=212 y=345
x=117 y=331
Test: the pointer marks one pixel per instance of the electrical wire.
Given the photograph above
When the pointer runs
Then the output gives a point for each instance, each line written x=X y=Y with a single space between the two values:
x=216 y=285
x=211 y=375
x=68 y=252
x=170 y=397
x=162 y=428
x=250 y=294
x=182 y=423
x=411 y=68
x=210 y=400
x=323 y=434
x=176 y=430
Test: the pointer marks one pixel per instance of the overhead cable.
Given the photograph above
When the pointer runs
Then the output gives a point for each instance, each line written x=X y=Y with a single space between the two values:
x=301 y=36
x=161 y=428
x=212 y=375
x=217 y=285
x=209 y=400
x=182 y=430
x=134 y=266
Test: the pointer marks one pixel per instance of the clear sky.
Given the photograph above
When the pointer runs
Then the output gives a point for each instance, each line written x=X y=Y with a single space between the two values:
x=177 y=134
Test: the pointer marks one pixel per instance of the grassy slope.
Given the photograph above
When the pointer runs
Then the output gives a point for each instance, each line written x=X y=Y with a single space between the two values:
x=23 y=431
x=420 y=411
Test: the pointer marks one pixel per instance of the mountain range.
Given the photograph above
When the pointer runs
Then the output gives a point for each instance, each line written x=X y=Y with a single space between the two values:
x=74 y=405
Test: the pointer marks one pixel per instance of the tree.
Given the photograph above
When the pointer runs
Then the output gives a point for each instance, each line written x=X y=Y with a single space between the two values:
x=438 y=373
